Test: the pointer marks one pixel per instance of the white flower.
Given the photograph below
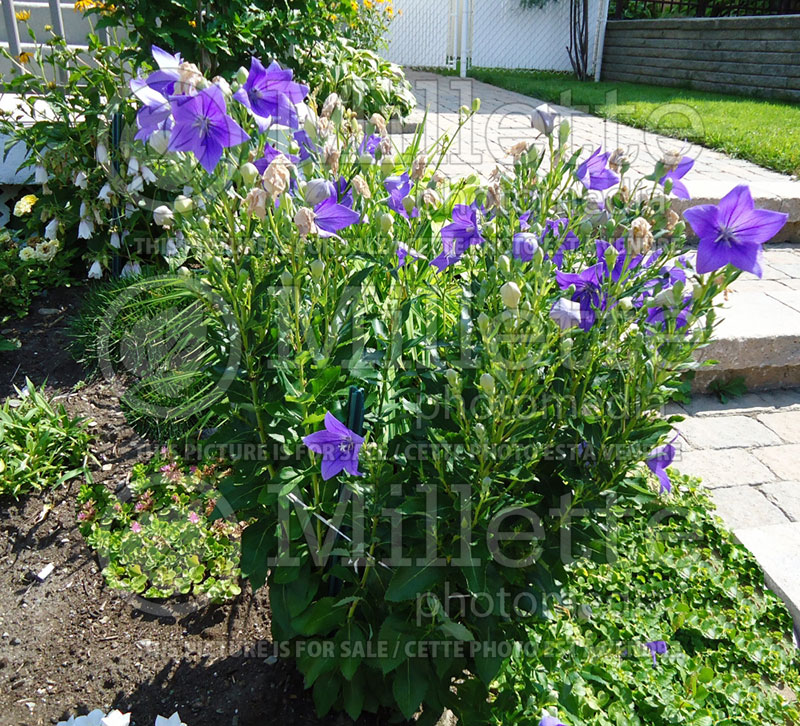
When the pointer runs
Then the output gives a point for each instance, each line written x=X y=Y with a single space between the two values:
x=148 y=175
x=81 y=180
x=116 y=718
x=129 y=210
x=105 y=193
x=85 y=228
x=173 y=720
x=26 y=254
x=131 y=269
x=183 y=204
x=51 y=230
x=133 y=166
x=114 y=240
x=136 y=184
x=170 y=249
x=95 y=718
x=40 y=175
x=101 y=154
x=159 y=141
x=223 y=86
x=163 y=216
x=46 y=251
x=510 y=295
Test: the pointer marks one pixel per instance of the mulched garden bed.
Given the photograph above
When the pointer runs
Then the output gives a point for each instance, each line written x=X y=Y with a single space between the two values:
x=70 y=644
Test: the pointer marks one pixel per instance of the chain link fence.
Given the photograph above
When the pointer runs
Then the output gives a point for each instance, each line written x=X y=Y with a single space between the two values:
x=490 y=33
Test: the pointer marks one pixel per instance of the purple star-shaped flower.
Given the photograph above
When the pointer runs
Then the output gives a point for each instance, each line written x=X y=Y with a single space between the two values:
x=550 y=721
x=524 y=246
x=404 y=252
x=588 y=292
x=554 y=228
x=270 y=154
x=163 y=80
x=678 y=187
x=656 y=647
x=271 y=95
x=658 y=316
x=399 y=188
x=594 y=174
x=733 y=231
x=658 y=462
x=203 y=127
x=155 y=113
x=458 y=236
x=369 y=145
x=338 y=445
x=525 y=221
x=566 y=313
x=330 y=217
x=307 y=147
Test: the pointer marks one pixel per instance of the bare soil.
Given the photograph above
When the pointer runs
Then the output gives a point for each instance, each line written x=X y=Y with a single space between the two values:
x=70 y=644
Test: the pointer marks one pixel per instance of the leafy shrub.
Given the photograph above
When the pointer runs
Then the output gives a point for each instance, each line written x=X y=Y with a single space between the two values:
x=679 y=578
x=156 y=539
x=514 y=343
x=365 y=82
x=41 y=445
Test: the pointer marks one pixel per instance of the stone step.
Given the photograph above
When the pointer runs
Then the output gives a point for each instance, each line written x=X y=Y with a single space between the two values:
x=758 y=336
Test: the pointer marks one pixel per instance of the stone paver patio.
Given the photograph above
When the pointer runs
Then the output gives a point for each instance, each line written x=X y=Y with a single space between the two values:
x=748 y=453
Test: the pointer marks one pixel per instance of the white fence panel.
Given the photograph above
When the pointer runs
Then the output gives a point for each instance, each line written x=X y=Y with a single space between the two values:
x=506 y=35
x=420 y=33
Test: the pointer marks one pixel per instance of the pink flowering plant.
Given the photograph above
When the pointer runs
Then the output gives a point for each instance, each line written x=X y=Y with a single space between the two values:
x=432 y=375
x=157 y=537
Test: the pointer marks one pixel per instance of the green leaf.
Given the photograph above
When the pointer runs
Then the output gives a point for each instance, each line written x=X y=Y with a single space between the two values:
x=322 y=617
x=258 y=541
x=411 y=582
x=409 y=687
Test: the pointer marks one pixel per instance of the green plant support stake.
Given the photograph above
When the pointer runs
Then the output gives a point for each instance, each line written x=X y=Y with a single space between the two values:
x=355 y=422
x=116 y=137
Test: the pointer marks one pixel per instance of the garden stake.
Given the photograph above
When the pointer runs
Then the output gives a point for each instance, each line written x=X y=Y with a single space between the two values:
x=116 y=137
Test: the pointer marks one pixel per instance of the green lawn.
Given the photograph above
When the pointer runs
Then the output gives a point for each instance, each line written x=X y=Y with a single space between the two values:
x=765 y=132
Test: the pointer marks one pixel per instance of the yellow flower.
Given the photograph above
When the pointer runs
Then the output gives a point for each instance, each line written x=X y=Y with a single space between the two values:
x=24 y=57
x=23 y=15
x=81 y=6
x=193 y=23
x=24 y=205
x=368 y=4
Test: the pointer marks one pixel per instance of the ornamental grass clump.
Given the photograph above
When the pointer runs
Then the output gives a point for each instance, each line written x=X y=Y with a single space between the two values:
x=430 y=386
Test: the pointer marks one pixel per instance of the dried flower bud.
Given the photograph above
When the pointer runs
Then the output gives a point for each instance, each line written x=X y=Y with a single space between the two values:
x=385 y=147
x=418 y=167
x=379 y=123
x=277 y=176
x=518 y=150
x=360 y=186
x=640 y=238
x=256 y=202
x=438 y=178
x=671 y=159
x=332 y=102
x=332 y=155
x=430 y=198
x=304 y=219
x=494 y=196
x=672 y=219
x=618 y=159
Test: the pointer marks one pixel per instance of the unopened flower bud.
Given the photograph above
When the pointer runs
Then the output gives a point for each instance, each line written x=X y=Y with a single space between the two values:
x=452 y=377
x=241 y=75
x=476 y=105
x=510 y=294
x=504 y=264
x=318 y=190
x=483 y=323
x=249 y=173
x=317 y=269
x=610 y=257
x=183 y=204
x=286 y=278
x=163 y=216
x=159 y=141
x=387 y=223
x=487 y=384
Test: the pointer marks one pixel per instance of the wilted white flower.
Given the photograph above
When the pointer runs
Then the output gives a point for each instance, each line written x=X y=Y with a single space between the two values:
x=379 y=123
x=672 y=219
x=277 y=176
x=101 y=154
x=163 y=216
x=223 y=86
x=26 y=254
x=190 y=79
x=618 y=159
x=46 y=251
x=332 y=155
x=81 y=180
x=385 y=146
x=51 y=230
x=430 y=198
x=438 y=177
x=494 y=195
x=332 y=102
x=671 y=159
x=510 y=294
x=131 y=269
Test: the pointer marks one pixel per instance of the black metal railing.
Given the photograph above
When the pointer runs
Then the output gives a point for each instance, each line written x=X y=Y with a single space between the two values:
x=636 y=9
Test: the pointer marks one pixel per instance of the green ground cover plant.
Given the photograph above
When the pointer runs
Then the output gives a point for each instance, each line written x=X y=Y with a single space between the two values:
x=41 y=445
x=761 y=131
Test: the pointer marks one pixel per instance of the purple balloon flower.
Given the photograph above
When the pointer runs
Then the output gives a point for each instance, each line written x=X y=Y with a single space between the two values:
x=155 y=113
x=658 y=316
x=550 y=721
x=404 y=252
x=330 y=217
x=566 y=313
x=594 y=174
x=733 y=231
x=524 y=221
x=203 y=127
x=271 y=95
x=338 y=445
x=678 y=187
x=458 y=236
x=656 y=647
x=399 y=188
x=524 y=246
x=660 y=459
x=163 y=80
x=554 y=228
x=588 y=292
x=307 y=147
x=369 y=145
